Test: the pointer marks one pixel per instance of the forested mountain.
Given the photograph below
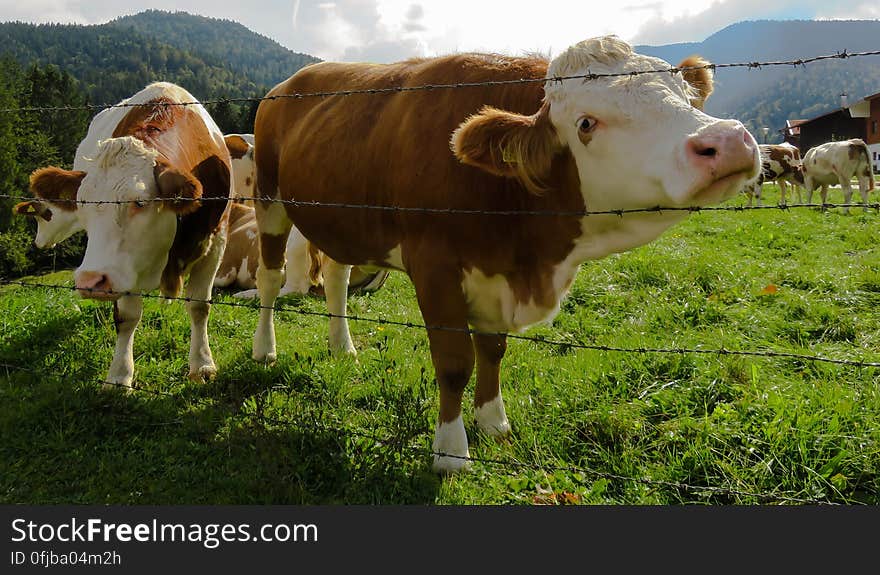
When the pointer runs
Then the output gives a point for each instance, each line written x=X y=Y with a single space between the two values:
x=211 y=58
x=772 y=94
x=221 y=43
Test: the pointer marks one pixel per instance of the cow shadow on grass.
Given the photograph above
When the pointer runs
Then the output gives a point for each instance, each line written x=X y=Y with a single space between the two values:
x=42 y=346
x=217 y=443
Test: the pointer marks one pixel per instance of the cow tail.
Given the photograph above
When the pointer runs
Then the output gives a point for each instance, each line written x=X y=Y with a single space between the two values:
x=315 y=275
x=869 y=168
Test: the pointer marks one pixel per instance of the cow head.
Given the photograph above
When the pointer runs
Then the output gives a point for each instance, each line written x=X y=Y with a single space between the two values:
x=128 y=203
x=54 y=224
x=638 y=140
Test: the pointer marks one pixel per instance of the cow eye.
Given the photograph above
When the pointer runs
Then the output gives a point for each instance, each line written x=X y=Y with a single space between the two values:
x=587 y=124
x=140 y=204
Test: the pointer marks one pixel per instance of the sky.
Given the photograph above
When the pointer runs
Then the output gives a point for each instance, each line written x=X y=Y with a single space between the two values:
x=391 y=30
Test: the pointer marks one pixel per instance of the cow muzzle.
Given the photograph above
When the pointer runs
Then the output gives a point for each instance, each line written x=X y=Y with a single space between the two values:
x=95 y=285
x=725 y=156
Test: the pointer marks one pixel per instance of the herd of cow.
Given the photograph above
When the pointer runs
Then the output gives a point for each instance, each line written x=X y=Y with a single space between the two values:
x=461 y=173
x=829 y=164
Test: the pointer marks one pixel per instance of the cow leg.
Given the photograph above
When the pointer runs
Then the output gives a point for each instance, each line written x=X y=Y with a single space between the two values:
x=783 y=188
x=274 y=226
x=846 y=186
x=823 y=195
x=488 y=404
x=127 y=311
x=198 y=289
x=336 y=277
x=443 y=304
x=864 y=189
x=297 y=265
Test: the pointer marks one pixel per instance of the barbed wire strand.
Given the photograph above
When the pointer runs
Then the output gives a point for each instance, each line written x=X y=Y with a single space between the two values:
x=589 y=76
x=501 y=462
x=471 y=212
x=415 y=325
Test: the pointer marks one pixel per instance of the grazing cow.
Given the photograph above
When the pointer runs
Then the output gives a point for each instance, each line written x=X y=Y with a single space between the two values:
x=145 y=166
x=56 y=224
x=780 y=163
x=838 y=162
x=53 y=225
x=303 y=265
x=555 y=146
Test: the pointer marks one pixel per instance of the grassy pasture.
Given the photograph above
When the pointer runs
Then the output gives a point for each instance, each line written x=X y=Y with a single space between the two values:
x=318 y=429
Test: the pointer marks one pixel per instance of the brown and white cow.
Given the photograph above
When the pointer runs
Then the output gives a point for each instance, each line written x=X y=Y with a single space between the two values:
x=144 y=165
x=837 y=163
x=554 y=146
x=780 y=163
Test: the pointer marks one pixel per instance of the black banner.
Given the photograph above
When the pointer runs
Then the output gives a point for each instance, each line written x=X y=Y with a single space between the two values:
x=225 y=539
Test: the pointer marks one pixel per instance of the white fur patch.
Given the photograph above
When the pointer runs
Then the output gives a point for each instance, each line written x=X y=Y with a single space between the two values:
x=62 y=225
x=450 y=439
x=492 y=418
x=244 y=275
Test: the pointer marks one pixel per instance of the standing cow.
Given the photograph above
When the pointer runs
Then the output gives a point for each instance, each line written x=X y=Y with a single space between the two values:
x=303 y=264
x=626 y=142
x=780 y=163
x=143 y=168
x=837 y=163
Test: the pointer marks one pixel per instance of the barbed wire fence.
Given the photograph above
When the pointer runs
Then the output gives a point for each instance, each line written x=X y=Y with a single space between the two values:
x=575 y=344
x=400 y=89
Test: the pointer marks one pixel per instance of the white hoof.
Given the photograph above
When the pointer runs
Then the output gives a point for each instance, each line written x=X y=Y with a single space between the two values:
x=267 y=358
x=203 y=373
x=247 y=294
x=294 y=289
x=110 y=386
x=451 y=453
x=492 y=418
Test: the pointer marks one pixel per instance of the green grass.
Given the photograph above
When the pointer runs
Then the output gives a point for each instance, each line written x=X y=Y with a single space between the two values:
x=590 y=427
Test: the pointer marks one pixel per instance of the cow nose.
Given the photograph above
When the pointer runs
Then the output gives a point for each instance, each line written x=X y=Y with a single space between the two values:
x=723 y=149
x=95 y=285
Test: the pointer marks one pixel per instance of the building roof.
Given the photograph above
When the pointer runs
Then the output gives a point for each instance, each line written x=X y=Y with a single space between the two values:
x=793 y=127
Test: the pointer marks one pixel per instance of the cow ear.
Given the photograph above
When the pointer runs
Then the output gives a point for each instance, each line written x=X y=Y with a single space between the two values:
x=700 y=78
x=510 y=145
x=180 y=189
x=26 y=209
x=237 y=146
x=57 y=186
x=33 y=209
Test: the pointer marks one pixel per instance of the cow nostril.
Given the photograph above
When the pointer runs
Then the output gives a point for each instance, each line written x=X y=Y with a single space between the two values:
x=708 y=152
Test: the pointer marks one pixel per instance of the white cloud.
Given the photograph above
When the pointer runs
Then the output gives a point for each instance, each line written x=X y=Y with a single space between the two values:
x=857 y=11
x=40 y=11
x=388 y=30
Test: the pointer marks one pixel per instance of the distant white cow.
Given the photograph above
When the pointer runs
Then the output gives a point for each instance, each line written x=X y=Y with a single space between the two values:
x=837 y=163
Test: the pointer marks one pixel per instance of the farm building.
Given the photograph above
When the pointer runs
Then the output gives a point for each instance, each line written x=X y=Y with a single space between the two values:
x=859 y=120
